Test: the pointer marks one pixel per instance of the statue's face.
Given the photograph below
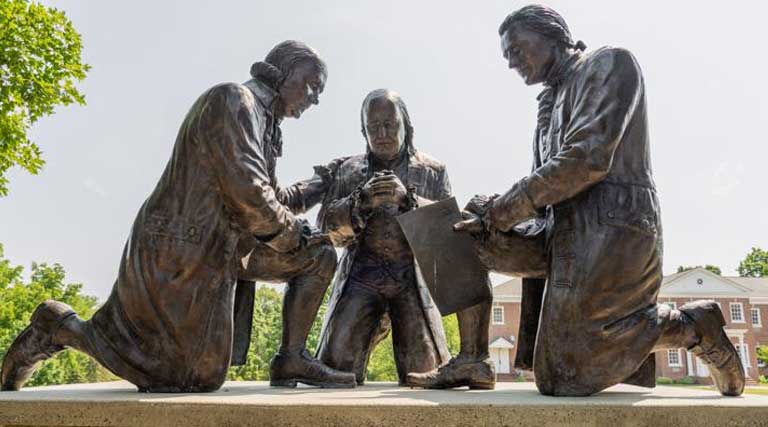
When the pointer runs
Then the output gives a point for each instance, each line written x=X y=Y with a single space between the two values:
x=301 y=89
x=528 y=52
x=384 y=128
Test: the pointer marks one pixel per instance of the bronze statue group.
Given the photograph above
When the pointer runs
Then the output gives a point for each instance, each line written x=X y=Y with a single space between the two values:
x=583 y=228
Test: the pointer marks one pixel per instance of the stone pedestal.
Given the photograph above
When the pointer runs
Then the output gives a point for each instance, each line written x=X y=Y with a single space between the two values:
x=376 y=404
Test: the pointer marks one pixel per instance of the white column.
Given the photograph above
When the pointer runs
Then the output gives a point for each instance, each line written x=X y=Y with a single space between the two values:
x=689 y=363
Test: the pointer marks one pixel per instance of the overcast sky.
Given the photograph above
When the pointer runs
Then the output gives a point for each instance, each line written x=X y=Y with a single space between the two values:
x=704 y=65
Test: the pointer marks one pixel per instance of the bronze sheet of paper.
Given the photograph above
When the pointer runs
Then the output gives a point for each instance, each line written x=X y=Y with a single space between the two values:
x=447 y=259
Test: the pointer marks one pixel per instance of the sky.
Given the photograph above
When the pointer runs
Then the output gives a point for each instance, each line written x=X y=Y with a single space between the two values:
x=704 y=65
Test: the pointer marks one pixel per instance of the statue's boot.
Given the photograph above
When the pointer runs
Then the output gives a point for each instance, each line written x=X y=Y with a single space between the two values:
x=289 y=369
x=292 y=364
x=33 y=345
x=714 y=347
x=459 y=372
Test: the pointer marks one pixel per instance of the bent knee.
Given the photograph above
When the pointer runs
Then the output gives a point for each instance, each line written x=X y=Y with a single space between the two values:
x=325 y=260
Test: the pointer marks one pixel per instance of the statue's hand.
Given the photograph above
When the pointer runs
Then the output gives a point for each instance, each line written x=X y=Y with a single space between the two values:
x=383 y=188
x=471 y=224
x=479 y=204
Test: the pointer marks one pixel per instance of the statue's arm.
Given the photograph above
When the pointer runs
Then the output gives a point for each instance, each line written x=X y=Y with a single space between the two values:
x=603 y=103
x=304 y=195
x=340 y=214
x=236 y=156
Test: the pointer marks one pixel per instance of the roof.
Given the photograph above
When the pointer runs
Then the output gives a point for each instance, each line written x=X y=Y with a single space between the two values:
x=509 y=290
x=694 y=282
x=501 y=342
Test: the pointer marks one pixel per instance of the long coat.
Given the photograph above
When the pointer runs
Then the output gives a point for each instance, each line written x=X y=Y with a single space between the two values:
x=429 y=180
x=592 y=180
x=167 y=325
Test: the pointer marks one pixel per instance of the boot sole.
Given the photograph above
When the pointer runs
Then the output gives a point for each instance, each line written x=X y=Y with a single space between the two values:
x=472 y=386
x=294 y=382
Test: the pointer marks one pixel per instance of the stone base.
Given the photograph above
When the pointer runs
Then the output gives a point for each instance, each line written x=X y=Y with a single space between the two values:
x=376 y=404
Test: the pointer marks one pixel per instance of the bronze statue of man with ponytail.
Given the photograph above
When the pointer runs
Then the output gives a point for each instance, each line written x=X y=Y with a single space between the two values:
x=589 y=313
x=180 y=310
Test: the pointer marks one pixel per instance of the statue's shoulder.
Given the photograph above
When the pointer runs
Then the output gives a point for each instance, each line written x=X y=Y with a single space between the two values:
x=608 y=57
x=351 y=163
x=230 y=89
x=428 y=161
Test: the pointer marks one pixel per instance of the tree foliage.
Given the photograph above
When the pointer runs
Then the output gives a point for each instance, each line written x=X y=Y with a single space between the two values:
x=762 y=353
x=39 y=66
x=755 y=264
x=18 y=299
x=709 y=267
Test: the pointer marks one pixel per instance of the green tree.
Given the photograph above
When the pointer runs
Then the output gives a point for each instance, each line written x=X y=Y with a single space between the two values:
x=39 y=66
x=17 y=302
x=265 y=336
x=709 y=267
x=755 y=264
x=762 y=353
x=266 y=333
x=381 y=366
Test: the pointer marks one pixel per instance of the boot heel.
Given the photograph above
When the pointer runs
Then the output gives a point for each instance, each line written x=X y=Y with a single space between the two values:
x=283 y=383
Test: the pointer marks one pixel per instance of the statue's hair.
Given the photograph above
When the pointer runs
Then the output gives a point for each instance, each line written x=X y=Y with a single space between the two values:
x=398 y=100
x=283 y=58
x=542 y=20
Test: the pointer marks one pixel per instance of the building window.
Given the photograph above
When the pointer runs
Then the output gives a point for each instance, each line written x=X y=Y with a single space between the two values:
x=671 y=304
x=756 y=321
x=737 y=312
x=673 y=357
x=498 y=315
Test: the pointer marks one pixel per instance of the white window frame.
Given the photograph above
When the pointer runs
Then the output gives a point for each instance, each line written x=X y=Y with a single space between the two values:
x=493 y=314
x=679 y=363
x=744 y=354
x=741 y=312
x=759 y=319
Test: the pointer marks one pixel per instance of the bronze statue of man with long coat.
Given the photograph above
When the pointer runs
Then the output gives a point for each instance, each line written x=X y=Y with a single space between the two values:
x=592 y=200
x=215 y=216
x=377 y=286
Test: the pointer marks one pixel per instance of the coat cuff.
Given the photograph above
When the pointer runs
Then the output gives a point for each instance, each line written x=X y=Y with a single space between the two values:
x=512 y=207
x=288 y=239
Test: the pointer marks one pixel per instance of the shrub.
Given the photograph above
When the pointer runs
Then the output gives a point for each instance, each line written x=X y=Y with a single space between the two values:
x=664 y=380
x=686 y=381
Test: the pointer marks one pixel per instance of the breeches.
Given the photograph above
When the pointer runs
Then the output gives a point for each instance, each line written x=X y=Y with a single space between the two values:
x=359 y=322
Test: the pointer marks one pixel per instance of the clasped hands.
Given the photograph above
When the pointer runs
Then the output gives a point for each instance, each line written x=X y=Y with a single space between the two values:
x=385 y=188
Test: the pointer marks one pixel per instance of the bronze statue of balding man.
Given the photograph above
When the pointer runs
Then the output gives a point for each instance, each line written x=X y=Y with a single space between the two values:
x=377 y=287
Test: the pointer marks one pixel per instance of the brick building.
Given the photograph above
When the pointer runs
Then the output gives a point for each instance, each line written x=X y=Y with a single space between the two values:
x=744 y=302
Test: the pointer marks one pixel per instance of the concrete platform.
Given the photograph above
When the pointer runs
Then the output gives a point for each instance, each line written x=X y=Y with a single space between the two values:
x=376 y=404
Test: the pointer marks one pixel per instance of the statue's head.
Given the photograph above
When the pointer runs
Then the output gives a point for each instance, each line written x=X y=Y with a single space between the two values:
x=386 y=124
x=532 y=39
x=296 y=72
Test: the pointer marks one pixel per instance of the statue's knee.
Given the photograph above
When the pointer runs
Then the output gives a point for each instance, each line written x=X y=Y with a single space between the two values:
x=326 y=260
